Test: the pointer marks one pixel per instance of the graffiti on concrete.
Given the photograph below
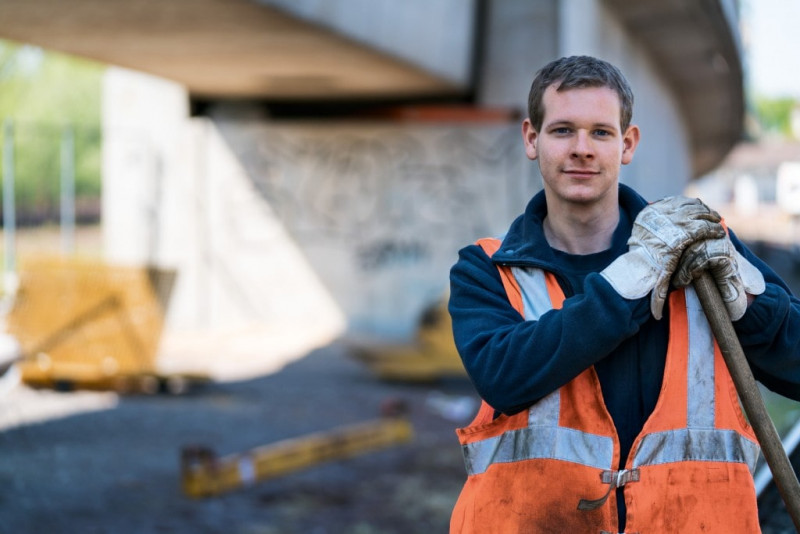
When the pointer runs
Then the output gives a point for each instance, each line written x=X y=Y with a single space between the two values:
x=380 y=210
x=382 y=254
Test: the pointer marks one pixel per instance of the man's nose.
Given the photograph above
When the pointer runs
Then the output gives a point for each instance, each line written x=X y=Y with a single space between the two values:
x=583 y=146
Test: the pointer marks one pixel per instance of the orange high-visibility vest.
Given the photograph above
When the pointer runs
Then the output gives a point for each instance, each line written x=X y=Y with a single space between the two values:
x=553 y=468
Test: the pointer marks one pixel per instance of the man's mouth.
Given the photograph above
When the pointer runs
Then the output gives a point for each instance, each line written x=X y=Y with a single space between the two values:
x=581 y=172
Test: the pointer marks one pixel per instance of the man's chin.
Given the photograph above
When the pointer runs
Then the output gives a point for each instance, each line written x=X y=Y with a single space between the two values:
x=585 y=198
x=588 y=194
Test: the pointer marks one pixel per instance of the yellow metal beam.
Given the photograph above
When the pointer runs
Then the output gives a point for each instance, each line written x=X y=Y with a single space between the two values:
x=205 y=475
x=431 y=356
x=86 y=324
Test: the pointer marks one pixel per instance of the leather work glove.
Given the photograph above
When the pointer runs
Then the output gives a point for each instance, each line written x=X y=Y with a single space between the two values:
x=733 y=274
x=661 y=232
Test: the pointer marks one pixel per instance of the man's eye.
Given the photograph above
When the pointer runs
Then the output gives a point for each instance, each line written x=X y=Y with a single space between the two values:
x=561 y=131
x=601 y=133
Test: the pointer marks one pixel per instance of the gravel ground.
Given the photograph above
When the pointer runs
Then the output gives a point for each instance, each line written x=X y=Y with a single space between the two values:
x=115 y=465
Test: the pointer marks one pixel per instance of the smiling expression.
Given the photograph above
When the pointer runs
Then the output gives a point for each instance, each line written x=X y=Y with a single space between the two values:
x=581 y=147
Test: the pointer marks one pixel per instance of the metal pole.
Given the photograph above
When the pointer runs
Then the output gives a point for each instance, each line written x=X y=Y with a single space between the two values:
x=9 y=211
x=768 y=438
x=68 y=191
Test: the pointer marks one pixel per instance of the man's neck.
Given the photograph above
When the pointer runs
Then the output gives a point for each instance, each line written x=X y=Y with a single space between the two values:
x=581 y=232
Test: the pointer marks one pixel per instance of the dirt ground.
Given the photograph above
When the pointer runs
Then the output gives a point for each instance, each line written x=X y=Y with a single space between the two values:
x=116 y=468
x=102 y=463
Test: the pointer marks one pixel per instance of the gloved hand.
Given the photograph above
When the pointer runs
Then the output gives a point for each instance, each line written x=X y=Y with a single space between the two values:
x=734 y=275
x=661 y=232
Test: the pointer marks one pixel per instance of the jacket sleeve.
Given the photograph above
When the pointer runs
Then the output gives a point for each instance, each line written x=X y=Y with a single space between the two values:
x=769 y=331
x=513 y=362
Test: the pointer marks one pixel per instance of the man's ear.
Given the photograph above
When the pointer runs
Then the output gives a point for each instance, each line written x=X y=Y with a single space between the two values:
x=629 y=143
x=530 y=137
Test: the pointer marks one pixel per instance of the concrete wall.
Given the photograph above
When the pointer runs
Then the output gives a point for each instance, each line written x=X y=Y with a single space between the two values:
x=436 y=35
x=314 y=224
x=520 y=38
x=381 y=208
x=246 y=297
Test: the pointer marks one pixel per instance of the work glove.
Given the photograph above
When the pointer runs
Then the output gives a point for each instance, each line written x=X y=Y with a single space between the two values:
x=733 y=274
x=661 y=232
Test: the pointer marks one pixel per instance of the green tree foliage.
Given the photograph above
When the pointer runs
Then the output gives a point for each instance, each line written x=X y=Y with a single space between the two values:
x=44 y=97
x=774 y=114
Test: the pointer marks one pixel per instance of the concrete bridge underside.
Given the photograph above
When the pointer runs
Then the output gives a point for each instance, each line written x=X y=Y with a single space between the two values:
x=304 y=50
x=219 y=48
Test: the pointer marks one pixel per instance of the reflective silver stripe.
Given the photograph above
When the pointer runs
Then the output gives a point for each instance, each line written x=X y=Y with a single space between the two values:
x=531 y=443
x=543 y=438
x=700 y=441
x=536 y=302
x=693 y=444
x=535 y=298
x=546 y=411
x=700 y=373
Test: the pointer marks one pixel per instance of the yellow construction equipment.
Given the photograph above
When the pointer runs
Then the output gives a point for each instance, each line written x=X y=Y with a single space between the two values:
x=431 y=356
x=205 y=475
x=85 y=324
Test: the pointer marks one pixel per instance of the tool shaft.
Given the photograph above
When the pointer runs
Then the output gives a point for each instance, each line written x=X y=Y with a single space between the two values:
x=771 y=446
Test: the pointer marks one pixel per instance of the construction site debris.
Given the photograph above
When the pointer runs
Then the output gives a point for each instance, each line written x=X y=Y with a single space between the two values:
x=86 y=324
x=205 y=475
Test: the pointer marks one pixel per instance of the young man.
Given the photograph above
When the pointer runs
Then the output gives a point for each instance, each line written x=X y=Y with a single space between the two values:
x=607 y=407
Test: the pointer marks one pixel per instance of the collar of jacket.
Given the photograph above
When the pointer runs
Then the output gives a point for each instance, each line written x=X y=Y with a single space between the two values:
x=525 y=244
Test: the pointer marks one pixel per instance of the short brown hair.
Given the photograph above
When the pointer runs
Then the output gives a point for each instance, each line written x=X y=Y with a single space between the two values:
x=578 y=72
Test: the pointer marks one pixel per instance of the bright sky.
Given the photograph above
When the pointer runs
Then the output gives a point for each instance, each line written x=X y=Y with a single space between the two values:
x=774 y=48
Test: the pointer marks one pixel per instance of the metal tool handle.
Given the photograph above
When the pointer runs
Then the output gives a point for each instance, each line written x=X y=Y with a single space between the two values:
x=771 y=446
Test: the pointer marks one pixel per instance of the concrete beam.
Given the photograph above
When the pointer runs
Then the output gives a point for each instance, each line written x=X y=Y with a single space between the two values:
x=220 y=48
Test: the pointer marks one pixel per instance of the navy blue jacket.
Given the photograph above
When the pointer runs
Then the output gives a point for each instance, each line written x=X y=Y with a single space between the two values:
x=513 y=362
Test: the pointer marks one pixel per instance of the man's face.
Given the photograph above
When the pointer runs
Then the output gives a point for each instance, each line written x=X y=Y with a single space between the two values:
x=580 y=147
